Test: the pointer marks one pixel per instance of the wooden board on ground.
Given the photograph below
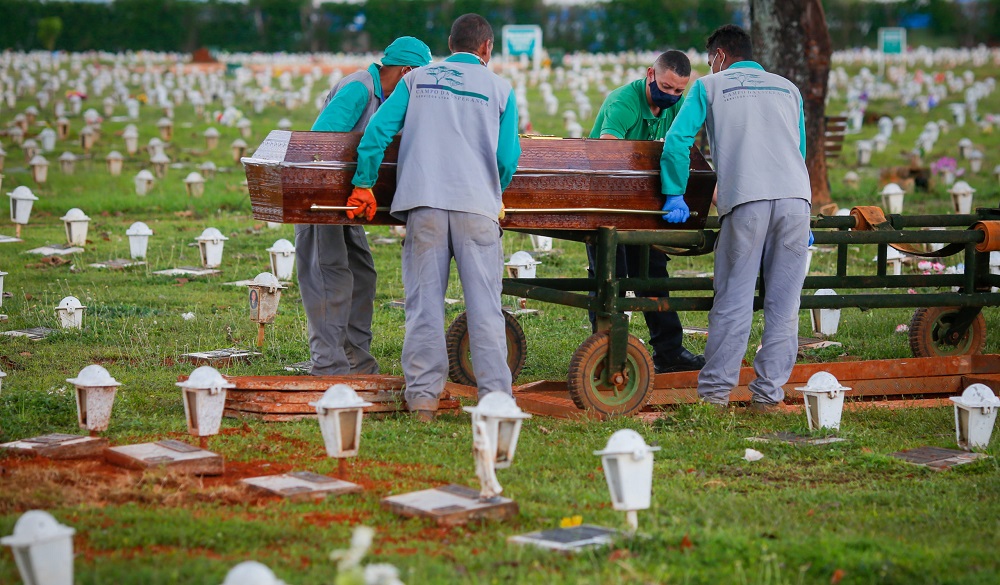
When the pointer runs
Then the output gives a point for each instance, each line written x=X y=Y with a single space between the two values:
x=176 y=456
x=909 y=382
x=450 y=505
x=287 y=398
x=301 y=485
x=59 y=446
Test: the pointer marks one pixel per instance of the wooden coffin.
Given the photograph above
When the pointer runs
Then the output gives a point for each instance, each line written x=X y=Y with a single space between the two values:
x=296 y=177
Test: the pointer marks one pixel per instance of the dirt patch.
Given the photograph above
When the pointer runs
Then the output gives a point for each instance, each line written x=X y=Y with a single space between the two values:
x=36 y=482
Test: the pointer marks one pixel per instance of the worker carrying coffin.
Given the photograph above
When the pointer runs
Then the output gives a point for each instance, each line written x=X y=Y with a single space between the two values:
x=458 y=151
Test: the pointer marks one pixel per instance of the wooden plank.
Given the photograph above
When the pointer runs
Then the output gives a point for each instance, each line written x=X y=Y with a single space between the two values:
x=359 y=382
x=304 y=397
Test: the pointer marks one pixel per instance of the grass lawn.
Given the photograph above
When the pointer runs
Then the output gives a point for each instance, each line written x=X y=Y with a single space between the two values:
x=841 y=513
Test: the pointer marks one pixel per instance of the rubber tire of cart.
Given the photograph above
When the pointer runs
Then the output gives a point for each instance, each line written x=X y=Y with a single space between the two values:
x=588 y=386
x=460 y=357
x=927 y=324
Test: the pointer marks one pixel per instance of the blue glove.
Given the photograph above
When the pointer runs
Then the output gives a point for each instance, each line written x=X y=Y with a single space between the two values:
x=676 y=209
x=811 y=239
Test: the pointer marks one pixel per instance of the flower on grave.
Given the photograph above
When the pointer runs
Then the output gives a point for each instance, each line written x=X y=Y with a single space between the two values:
x=142 y=98
x=349 y=569
x=571 y=521
x=944 y=164
x=902 y=328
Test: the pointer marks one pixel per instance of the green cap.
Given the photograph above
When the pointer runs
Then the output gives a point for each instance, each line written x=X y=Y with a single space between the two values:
x=407 y=52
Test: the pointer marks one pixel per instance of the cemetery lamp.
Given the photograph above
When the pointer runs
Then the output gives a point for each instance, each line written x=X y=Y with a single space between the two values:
x=521 y=265
x=211 y=243
x=30 y=148
x=824 y=398
x=195 y=184
x=67 y=163
x=39 y=169
x=95 y=395
x=70 y=312
x=251 y=573
x=21 y=200
x=628 y=467
x=265 y=292
x=77 y=224
x=204 y=400
x=961 y=197
x=131 y=136
x=340 y=411
x=143 y=182
x=825 y=321
x=166 y=128
x=43 y=549
x=975 y=414
x=211 y=138
x=892 y=198
x=48 y=139
x=161 y=162
x=207 y=169
x=87 y=138
x=501 y=418
x=114 y=162
x=239 y=147
x=62 y=128
x=282 y=259
x=138 y=239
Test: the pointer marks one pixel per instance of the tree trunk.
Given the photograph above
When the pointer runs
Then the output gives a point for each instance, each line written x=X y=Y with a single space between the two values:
x=790 y=38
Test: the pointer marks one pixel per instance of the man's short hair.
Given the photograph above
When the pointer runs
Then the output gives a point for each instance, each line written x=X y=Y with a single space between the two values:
x=469 y=32
x=733 y=40
x=675 y=61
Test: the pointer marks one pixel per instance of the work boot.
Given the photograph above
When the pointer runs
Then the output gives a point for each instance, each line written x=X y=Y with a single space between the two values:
x=684 y=361
x=425 y=416
x=764 y=408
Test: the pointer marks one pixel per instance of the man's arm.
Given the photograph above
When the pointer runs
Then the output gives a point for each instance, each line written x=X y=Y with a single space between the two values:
x=675 y=162
x=802 y=129
x=618 y=118
x=344 y=110
x=508 y=143
x=386 y=122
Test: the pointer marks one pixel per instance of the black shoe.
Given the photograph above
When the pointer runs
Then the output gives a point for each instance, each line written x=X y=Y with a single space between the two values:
x=684 y=361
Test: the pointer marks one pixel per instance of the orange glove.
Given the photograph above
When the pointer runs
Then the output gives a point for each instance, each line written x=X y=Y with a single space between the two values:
x=503 y=212
x=363 y=200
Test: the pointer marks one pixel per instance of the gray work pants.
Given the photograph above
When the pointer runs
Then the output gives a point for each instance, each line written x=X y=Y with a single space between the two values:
x=767 y=236
x=433 y=238
x=336 y=275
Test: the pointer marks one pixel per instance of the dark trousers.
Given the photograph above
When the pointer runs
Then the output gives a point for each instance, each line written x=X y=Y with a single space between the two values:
x=666 y=335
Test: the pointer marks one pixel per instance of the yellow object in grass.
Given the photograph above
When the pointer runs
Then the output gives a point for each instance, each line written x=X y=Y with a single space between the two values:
x=571 y=521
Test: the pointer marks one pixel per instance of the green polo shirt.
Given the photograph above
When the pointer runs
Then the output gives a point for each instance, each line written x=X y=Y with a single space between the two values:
x=625 y=114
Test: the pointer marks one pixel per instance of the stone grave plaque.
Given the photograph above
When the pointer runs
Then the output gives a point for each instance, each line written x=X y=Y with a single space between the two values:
x=397 y=304
x=301 y=367
x=568 y=539
x=61 y=250
x=795 y=439
x=385 y=241
x=9 y=239
x=169 y=453
x=301 y=485
x=59 y=446
x=187 y=271
x=117 y=264
x=937 y=458
x=450 y=505
x=220 y=357
x=34 y=333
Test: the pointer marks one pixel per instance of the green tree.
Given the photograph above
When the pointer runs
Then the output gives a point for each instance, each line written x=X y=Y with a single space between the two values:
x=49 y=29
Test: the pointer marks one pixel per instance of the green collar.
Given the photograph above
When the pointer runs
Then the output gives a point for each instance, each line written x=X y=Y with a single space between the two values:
x=746 y=65
x=373 y=70
x=464 y=58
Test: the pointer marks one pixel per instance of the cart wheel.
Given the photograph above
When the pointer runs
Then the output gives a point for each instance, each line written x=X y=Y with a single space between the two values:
x=460 y=357
x=588 y=383
x=929 y=324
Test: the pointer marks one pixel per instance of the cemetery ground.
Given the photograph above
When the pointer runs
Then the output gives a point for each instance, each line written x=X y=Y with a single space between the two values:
x=838 y=513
